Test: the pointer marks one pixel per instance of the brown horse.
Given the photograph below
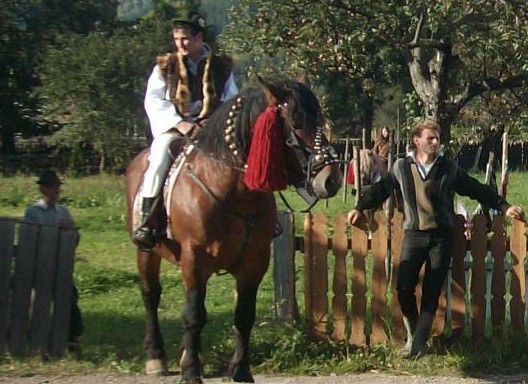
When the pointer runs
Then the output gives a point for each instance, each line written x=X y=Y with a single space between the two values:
x=219 y=224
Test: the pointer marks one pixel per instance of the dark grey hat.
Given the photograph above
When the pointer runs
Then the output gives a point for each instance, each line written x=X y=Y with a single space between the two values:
x=192 y=19
x=49 y=177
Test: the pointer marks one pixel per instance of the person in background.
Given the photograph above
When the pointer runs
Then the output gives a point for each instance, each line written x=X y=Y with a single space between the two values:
x=47 y=211
x=382 y=145
x=185 y=87
x=427 y=181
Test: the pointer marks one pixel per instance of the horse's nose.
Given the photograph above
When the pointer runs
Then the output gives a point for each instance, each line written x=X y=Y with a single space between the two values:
x=327 y=182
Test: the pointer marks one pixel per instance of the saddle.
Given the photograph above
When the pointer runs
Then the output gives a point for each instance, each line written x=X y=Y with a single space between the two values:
x=159 y=217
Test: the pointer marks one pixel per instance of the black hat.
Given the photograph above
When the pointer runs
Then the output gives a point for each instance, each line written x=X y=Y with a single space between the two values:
x=49 y=178
x=192 y=19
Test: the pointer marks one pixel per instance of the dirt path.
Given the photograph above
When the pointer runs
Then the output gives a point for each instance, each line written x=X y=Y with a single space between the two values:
x=374 y=378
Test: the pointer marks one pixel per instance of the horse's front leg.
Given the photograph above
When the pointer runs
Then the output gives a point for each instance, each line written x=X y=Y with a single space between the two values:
x=194 y=317
x=148 y=267
x=247 y=282
x=239 y=367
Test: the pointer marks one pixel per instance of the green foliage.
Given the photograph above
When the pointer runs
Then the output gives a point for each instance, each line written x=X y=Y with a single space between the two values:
x=27 y=28
x=474 y=50
x=93 y=87
x=336 y=47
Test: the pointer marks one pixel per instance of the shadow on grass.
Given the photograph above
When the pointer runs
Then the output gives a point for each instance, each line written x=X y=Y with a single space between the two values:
x=503 y=355
x=117 y=340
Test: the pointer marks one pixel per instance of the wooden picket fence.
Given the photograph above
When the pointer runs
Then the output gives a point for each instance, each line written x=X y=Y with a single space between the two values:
x=485 y=288
x=36 y=265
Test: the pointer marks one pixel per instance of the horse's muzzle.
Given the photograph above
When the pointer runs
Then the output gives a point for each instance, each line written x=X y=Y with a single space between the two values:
x=327 y=181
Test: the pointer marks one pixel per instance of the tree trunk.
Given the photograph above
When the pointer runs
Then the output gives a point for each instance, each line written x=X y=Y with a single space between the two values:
x=102 y=164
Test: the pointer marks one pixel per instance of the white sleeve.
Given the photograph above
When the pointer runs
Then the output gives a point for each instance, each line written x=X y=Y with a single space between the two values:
x=160 y=111
x=230 y=88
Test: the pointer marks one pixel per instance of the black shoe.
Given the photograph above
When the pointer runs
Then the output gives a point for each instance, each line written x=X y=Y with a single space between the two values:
x=421 y=335
x=75 y=345
x=144 y=238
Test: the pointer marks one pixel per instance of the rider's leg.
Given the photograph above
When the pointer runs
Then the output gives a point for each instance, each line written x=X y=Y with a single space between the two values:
x=159 y=161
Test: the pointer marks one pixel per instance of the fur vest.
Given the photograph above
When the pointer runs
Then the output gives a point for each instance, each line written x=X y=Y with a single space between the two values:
x=184 y=88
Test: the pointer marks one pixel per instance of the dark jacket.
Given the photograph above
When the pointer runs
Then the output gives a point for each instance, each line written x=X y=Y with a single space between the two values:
x=429 y=203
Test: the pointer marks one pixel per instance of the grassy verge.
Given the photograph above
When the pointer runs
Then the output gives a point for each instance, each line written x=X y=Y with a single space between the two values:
x=105 y=274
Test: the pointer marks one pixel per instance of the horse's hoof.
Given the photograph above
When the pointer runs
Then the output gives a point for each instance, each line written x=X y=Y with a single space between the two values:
x=195 y=380
x=156 y=367
x=245 y=377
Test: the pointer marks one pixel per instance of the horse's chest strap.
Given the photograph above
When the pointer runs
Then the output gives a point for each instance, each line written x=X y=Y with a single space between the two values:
x=249 y=219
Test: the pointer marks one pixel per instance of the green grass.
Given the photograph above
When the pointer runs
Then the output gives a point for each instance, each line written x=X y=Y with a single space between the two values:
x=105 y=274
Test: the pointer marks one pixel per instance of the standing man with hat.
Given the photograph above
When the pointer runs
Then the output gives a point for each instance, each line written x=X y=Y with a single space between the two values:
x=185 y=87
x=47 y=211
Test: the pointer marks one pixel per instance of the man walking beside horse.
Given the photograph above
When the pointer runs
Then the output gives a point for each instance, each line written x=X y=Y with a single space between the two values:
x=427 y=181
x=185 y=87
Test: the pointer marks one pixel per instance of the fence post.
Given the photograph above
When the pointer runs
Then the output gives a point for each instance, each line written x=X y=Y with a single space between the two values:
x=357 y=177
x=283 y=253
x=345 y=171
x=36 y=265
x=7 y=235
x=64 y=290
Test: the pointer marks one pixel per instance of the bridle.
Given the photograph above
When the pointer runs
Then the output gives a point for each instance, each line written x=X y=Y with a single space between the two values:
x=311 y=160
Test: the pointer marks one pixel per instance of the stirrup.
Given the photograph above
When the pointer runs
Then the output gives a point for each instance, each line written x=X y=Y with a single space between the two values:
x=144 y=238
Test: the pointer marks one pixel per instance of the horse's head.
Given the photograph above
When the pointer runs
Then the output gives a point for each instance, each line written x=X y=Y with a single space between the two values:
x=311 y=163
x=233 y=135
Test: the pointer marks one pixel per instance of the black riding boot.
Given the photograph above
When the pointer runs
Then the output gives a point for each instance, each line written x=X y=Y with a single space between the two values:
x=421 y=335
x=143 y=236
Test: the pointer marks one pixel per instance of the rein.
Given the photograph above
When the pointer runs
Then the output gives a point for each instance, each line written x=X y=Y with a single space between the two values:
x=249 y=219
x=283 y=198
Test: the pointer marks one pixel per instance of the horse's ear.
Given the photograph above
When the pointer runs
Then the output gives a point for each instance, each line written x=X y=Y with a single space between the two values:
x=275 y=95
x=303 y=78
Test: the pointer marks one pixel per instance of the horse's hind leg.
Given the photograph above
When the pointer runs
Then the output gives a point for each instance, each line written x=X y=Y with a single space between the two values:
x=148 y=267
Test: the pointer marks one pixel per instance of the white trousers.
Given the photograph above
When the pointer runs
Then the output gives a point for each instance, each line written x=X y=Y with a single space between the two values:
x=159 y=161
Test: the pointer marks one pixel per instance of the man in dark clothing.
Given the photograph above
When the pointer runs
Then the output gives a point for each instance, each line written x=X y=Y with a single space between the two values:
x=428 y=182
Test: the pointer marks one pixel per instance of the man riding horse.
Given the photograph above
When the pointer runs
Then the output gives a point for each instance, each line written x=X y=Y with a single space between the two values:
x=185 y=87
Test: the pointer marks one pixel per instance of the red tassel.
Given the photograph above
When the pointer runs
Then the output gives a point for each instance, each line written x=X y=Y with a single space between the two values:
x=265 y=166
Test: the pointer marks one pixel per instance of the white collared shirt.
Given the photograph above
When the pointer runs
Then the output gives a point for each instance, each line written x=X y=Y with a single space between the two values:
x=423 y=168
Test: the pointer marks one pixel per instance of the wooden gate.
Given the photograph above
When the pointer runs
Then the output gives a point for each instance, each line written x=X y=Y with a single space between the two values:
x=350 y=293
x=36 y=264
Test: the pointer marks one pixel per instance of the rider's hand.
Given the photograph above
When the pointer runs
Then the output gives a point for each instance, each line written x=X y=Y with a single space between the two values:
x=185 y=127
x=354 y=215
x=516 y=212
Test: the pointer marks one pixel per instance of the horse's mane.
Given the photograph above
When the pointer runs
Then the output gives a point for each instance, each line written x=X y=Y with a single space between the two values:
x=303 y=112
